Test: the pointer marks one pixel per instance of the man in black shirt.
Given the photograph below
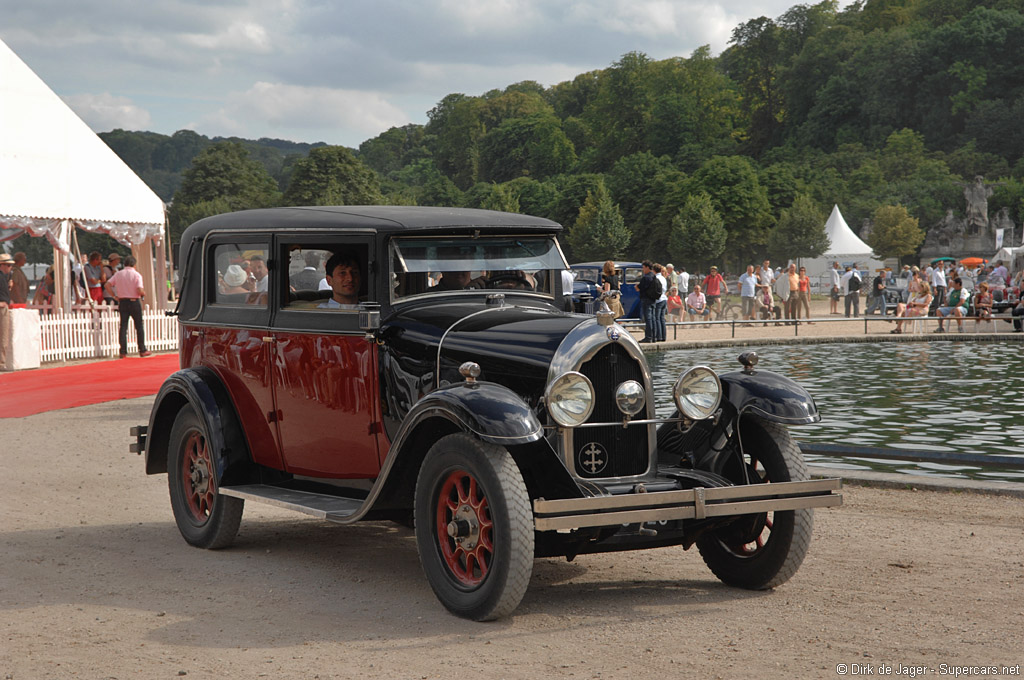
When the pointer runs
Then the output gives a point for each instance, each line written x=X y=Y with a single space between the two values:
x=878 y=290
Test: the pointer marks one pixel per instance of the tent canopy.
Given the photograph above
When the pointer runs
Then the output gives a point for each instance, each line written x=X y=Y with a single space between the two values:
x=844 y=244
x=55 y=170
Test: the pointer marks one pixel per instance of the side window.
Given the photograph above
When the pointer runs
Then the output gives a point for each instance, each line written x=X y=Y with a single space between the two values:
x=327 y=277
x=239 y=274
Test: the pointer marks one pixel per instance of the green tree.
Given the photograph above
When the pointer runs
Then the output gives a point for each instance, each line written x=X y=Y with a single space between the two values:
x=492 y=196
x=895 y=233
x=738 y=196
x=698 y=233
x=599 y=232
x=222 y=178
x=800 y=231
x=332 y=175
x=532 y=146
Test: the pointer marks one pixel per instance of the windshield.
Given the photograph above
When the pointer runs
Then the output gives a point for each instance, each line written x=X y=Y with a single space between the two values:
x=434 y=265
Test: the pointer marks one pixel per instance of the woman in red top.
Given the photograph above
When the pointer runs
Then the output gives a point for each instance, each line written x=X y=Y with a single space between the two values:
x=675 y=305
x=804 y=292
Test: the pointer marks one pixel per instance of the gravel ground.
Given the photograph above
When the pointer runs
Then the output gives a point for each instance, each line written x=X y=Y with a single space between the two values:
x=95 y=582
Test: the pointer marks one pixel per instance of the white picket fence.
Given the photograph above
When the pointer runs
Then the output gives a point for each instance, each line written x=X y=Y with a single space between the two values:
x=91 y=333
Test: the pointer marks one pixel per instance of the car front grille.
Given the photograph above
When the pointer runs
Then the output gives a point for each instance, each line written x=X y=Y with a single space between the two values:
x=612 y=451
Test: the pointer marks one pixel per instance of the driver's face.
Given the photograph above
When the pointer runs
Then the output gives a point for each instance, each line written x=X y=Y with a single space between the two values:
x=456 y=279
x=344 y=281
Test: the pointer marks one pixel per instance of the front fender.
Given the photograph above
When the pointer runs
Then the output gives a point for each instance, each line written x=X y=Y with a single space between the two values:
x=489 y=411
x=201 y=390
x=769 y=395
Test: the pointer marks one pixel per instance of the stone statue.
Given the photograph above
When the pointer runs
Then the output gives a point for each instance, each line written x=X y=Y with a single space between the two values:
x=977 y=193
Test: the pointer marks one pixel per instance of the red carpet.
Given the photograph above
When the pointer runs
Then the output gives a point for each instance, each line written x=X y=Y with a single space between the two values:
x=24 y=393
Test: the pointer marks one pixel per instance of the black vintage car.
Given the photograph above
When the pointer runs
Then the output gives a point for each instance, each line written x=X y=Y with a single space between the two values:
x=414 y=364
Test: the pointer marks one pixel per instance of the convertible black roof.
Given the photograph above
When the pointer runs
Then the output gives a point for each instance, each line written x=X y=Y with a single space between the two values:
x=380 y=218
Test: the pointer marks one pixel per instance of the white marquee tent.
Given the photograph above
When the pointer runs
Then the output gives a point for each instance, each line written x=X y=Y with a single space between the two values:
x=56 y=174
x=845 y=248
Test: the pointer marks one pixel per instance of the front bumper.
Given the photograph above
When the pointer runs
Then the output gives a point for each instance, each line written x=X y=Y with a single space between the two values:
x=697 y=503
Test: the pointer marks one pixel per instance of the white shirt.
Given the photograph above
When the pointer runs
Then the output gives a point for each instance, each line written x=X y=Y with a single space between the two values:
x=845 y=281
x=782 y=287
x=567 y=281
x=767 y=275
x=939 y=278
x=334 y=304
x=836 y=274
x=684 y=282
x=261 y=285
x=664 y=288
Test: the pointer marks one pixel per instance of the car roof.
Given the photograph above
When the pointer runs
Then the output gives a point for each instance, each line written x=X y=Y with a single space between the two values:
x=618 y=264
x=380 y=218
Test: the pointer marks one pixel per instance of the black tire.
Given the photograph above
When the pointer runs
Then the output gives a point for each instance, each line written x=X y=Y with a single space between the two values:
x=758 y=552
x=483 y=573
x=205 y=518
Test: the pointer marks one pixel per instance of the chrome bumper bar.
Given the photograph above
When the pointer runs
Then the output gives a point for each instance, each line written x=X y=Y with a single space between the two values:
x=698 y=503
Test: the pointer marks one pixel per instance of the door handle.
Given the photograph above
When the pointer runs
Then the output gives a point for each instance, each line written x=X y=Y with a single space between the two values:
x=268 y=338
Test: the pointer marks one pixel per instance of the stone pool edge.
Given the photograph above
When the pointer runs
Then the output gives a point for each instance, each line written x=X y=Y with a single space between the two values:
x=892 y=480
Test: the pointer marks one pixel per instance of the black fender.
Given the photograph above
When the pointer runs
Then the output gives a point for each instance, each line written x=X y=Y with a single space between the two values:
x=201 y=390
x=492 y=412
x=770 y=396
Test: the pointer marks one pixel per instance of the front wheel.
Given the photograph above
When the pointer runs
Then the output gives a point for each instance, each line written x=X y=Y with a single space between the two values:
x=761 y=551
x=205 y=518
x=474 y=527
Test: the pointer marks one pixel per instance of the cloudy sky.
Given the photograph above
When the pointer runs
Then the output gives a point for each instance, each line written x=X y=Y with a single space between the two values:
x=337 y=71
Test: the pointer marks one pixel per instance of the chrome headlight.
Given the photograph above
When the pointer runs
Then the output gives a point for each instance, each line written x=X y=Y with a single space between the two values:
x=570 y=399
x=698 y=393
x=630 y=397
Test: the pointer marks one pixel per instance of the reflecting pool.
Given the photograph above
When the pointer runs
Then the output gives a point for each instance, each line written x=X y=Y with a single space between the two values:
x=940 y=396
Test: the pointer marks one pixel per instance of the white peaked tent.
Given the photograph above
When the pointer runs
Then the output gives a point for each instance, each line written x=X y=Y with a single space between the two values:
x=845 y=247
x=56 y=174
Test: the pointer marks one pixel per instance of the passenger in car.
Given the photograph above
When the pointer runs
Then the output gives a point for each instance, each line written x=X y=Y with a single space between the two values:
x=345 y=278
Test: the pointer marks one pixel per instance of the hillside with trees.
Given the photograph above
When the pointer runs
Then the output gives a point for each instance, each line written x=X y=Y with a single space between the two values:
x=881 y=107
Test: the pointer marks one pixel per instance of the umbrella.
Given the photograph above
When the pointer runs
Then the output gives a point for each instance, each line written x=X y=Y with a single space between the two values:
x=944 y=259
x=973 y=261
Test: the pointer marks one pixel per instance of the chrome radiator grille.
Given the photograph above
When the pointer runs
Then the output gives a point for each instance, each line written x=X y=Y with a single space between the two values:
x=612 y=451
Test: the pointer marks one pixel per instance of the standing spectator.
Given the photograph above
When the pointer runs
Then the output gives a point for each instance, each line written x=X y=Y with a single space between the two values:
x=851 y=290
x=747 y=286
x=781 y=287
x=6 y=266
x=567 y=285
x=259 y=271
x=793 y=302
x=609 y=279
x=999 y=271
x=647 y=287
x=766 y=273
x=19 y=282
x=836 y=286
x=660 y=305
x=126 y=288
x=675 y=305
x=671 y=276
x=45 y=290
x=714 y=285
x=697 y=304
x=684 y=281
x=112 y=266
x=938 y=282
x=94 y=277
x=804 y=292
x=878 y=290
x=959 y=300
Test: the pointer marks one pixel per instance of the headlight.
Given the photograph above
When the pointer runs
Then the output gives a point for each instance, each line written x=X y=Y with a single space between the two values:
x=570 y=399
x=630 y=397
x=698 y=393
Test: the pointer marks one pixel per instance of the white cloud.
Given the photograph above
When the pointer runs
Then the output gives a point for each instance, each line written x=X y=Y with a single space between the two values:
x=103 y=112
x=350 y=114
x=243 y=36
x=483 y=16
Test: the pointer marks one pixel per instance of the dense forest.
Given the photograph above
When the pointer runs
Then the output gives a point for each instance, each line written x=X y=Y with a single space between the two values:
x=881 y=108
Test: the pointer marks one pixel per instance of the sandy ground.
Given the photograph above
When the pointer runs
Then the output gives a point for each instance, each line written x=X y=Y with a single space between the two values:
x=95 y=582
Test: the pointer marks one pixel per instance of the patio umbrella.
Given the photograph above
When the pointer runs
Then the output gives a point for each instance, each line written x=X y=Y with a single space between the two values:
x=973 y=261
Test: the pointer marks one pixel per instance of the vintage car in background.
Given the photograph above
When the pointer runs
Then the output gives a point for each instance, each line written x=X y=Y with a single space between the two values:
x=588 y=282
x=413 y=364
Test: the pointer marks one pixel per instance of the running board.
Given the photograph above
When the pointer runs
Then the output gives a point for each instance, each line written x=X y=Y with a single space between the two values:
x=319 y=505
x=698 y=503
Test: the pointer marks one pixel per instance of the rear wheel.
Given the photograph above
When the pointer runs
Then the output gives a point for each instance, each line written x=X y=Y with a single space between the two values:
x=761 y=551
x=474 y=527
x=205 y=518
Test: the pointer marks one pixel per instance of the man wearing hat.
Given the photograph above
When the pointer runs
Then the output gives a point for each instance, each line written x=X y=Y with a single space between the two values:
x=6 y=266
x=112 y=267
x=126 y=287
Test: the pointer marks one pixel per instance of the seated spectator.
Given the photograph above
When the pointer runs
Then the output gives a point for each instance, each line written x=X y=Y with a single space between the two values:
x=916 y=306
x=765 y=304
x=1018 y=314
x=958 y=302
x=675 y=305
x=235 y=281
x=982 y=304
x=697 y=304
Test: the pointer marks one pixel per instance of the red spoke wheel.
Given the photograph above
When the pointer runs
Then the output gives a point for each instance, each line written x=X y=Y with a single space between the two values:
x=761 y=551
x=205 y=518
x=474 y=527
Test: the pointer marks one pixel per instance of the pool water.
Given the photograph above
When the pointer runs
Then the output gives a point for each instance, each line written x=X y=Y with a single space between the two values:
x=939 y=396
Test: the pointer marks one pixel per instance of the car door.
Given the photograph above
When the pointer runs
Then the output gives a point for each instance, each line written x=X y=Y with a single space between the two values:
x=324 y=368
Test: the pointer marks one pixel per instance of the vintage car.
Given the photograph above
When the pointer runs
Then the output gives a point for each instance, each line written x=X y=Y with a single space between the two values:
x=414 y=364
x=588 y=282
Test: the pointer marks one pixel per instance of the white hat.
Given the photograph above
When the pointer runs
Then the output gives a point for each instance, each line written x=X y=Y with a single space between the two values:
x=235 y=276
